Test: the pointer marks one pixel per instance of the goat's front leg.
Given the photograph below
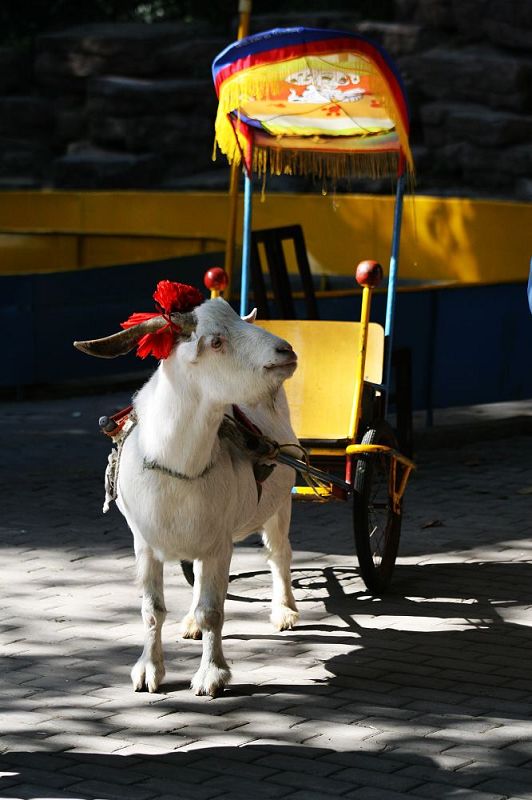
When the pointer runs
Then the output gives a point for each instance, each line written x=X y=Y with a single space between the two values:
x=212 y=576
x=279 y=553
x=149 y=670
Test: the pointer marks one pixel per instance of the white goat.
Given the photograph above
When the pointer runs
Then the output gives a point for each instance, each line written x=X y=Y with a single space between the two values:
x=186 y=493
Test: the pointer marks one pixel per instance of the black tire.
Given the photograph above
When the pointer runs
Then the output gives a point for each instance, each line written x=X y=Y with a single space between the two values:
x=188 y=572
x=377 y=527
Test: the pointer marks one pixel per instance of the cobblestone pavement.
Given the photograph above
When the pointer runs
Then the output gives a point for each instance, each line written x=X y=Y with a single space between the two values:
x=426 y=693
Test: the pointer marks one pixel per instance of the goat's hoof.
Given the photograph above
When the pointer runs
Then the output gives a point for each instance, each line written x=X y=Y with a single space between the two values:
x=147 y=675
x=190 y=628
x=284 y=618
x=194 y=634
x=211 y=681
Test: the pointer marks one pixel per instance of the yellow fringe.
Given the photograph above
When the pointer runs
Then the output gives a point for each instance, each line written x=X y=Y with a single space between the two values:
x=264 y=82
x=326 y=166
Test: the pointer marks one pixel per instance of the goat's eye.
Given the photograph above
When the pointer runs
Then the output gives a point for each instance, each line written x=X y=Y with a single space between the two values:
x=216 y=342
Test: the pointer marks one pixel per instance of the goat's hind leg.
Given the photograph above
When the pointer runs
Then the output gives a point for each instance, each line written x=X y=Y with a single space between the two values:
x=189 y=626
x=284 y=614
x=149 y=670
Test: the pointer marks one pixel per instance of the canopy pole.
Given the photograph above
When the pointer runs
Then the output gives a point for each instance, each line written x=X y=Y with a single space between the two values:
x=244 y=10
x=229 y=260
x=246 y=243
x=392 y=278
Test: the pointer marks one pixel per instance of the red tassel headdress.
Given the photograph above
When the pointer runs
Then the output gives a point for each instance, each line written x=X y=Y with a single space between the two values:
x=169 y=297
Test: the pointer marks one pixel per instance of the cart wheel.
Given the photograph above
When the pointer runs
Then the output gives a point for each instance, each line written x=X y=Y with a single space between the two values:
x=377 y=527
x=188 y=571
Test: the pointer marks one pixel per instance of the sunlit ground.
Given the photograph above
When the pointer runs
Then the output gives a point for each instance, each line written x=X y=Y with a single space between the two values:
x=424 y=691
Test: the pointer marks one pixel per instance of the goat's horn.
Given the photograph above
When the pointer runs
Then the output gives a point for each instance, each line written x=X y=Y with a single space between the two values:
x=251 y=317
x=124 y=341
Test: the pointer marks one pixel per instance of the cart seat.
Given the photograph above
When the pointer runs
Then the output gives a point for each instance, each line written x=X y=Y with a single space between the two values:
x=321 y=392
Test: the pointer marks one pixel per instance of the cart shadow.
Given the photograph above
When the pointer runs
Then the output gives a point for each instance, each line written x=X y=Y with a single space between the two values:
x=432 y=590
x=460 y=628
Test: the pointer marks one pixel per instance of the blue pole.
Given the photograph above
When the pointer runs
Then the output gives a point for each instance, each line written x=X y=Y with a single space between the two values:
x=246 y=245
x=392 y=282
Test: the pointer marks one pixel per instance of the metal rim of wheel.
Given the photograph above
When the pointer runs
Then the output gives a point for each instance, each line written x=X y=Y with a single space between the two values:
x=377 y=527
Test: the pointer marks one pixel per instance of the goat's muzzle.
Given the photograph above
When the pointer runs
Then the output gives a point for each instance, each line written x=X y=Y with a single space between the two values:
x=288 y=358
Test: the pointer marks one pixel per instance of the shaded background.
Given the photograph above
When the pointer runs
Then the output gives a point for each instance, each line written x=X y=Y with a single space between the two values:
x=118 y=94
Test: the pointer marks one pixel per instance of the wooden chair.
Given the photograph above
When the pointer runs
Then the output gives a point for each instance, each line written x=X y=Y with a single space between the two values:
x=268 y=255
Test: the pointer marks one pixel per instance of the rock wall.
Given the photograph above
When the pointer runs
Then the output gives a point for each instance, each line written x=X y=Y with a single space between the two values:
x=470 y=82
x=132 y=105
x=111 y=106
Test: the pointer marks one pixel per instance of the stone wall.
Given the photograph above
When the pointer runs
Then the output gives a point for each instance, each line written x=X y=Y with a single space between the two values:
x=132 y=105
x=469 y=77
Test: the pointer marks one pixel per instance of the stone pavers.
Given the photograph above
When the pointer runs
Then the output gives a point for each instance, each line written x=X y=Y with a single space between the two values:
x=426 y=693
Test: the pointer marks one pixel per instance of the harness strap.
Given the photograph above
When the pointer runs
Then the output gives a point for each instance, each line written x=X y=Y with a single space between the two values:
x=245 y=421
x=119 y=434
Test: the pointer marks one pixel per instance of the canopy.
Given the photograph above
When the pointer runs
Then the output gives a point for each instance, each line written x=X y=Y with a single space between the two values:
x=311 y=101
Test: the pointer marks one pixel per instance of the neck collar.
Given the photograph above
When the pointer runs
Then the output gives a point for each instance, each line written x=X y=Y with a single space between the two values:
x=147 y=464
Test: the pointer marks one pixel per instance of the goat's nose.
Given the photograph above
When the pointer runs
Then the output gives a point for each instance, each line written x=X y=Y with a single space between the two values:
x=284 y=347
x=286 y=350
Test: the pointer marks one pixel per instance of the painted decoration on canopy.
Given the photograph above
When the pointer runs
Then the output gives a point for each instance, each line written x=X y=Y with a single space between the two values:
x=310 y=101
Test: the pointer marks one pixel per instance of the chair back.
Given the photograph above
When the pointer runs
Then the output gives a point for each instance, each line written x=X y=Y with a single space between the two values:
x=321 y=392
x=268 y=254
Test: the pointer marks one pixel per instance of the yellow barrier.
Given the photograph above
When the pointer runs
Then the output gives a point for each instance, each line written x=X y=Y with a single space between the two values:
x=447 y=239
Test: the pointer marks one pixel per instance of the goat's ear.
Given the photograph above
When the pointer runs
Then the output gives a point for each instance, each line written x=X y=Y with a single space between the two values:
x=193 y=349
x=111 y=346
x=251 y=317
x=122 y=342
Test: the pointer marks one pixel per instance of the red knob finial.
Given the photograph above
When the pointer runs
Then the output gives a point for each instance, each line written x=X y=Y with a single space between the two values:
x=369 y=274
x=216 y=279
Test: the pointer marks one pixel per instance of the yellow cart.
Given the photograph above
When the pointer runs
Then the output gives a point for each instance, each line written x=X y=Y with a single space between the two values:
x=331 y=104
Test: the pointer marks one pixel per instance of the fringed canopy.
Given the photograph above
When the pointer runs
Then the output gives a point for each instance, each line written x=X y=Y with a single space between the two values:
x=309 y=101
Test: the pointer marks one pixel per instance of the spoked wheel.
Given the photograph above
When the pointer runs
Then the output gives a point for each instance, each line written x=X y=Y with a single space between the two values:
x=188 y=571
x=377 y=527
